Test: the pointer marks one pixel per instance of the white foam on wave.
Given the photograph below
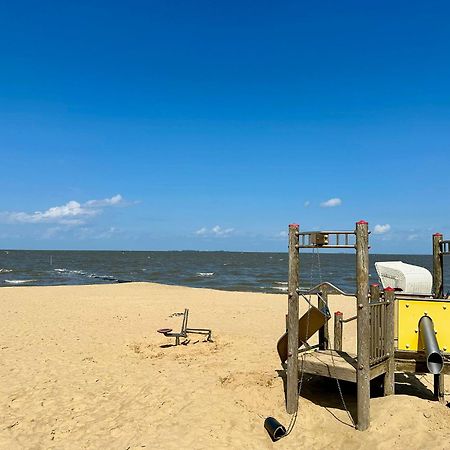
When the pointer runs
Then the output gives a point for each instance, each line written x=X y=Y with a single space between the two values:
x=18 y=281
x=5 y=270
x=78 y=272
x=280 y=288
x=205 y=274
x=283 y=283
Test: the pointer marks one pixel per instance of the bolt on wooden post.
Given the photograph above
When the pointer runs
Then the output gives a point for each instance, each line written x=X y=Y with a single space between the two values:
x=292 y=322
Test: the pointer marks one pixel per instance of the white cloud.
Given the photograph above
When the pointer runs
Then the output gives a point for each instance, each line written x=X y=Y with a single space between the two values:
x=85 y=233
x=216 y=231
x=412 y=237
x=306 y=204
x=72 y=213
x=381 y=229
x=331 y=203
x=114 y=200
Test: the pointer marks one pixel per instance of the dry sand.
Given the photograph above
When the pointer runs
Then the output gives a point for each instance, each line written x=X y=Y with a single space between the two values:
x=83 y=367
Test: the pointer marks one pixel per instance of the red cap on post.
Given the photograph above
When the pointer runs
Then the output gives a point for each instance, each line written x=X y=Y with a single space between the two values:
x=389 y=289
x=437 y=234
x=362 y=222
x=374 y=284
x=293 y=225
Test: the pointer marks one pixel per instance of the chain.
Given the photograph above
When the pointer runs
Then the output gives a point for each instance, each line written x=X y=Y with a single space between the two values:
x=332 y=359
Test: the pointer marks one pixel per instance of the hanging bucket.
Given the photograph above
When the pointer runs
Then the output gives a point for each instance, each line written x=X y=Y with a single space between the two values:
x=274 y=428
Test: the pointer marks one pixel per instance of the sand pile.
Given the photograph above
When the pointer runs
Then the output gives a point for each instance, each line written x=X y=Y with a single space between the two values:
x=83 y=367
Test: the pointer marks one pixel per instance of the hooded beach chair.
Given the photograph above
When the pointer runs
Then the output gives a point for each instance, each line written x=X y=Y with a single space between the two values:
x=168 y=332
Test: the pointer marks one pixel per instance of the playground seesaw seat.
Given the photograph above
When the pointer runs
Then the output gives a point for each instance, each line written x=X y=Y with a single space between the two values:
x=168 y=332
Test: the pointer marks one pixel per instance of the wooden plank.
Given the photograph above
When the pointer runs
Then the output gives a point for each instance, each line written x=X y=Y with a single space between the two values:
x=292 y=322
x=330 y=364
x=363 y=325
x=438 y=269
x=379 y=369
x=417 y=366
x=338 y=328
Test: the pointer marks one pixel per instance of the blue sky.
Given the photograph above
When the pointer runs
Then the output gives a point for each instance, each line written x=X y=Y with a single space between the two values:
x=212 y=125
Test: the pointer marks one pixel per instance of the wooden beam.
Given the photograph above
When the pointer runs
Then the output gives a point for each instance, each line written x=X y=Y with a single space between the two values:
x=389 y=376
x=363 y=325
x=323 y=332
x=438 y=268
x=292 y=321
x=338 y=327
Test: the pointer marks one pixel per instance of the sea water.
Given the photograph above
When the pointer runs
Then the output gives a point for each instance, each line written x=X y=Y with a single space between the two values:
x=256 y=272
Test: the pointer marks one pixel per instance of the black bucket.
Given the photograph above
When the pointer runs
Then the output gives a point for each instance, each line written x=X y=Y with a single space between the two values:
x=274 y=428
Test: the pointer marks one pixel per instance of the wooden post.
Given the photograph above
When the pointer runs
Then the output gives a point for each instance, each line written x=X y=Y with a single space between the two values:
x=323 y=332
x=439 y=387
x=374 y=292
x=438 y=268
x=293 y=313
x=363 y=325
x=389 y=376
x=338 y=326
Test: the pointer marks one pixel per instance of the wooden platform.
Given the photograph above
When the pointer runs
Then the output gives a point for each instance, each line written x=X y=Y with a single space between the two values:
x=342 y=365
x=334 y=364
x=328 y=363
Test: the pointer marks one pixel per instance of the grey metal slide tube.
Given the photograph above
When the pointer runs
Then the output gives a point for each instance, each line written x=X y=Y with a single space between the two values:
x=435 y=363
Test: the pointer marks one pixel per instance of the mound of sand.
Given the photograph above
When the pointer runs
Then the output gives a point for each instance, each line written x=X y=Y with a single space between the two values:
x=83 y=367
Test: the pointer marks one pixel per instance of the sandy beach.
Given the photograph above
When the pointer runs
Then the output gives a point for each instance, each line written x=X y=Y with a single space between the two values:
x=83 y=367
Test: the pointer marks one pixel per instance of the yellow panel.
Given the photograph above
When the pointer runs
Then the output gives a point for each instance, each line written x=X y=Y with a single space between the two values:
x=409 y=314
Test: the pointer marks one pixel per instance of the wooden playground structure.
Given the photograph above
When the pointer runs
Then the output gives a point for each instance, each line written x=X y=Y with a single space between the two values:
x=396 y=332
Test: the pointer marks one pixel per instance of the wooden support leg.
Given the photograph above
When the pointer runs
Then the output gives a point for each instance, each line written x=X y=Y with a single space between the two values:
x=439 y=388
x=389 y=376
x=292 y=322
x=363 y=326
x=389 y=380
x=323 y=332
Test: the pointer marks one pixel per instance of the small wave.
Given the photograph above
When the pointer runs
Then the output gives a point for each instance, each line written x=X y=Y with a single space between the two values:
x=283 y=283
x=5 y=270
x=205 y=274
x=91 y=275
x=78 y=272
x=280 y=288
x=18 y=281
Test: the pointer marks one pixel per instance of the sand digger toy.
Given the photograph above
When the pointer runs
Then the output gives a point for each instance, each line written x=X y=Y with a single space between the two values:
x=396 y=331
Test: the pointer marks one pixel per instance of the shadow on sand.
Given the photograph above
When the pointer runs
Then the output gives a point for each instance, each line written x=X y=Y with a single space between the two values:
x=324 y=391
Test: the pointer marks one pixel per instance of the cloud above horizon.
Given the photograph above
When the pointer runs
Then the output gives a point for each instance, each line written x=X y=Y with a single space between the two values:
x=331 y=203
x=71 y=213
x=216 y=231
x=381 y=229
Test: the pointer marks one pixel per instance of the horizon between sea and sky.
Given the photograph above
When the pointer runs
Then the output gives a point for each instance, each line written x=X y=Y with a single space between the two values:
x=212 y=126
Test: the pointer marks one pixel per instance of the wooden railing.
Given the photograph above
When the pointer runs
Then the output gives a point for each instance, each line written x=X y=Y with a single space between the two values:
x=381 y=330
x=379 y=350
